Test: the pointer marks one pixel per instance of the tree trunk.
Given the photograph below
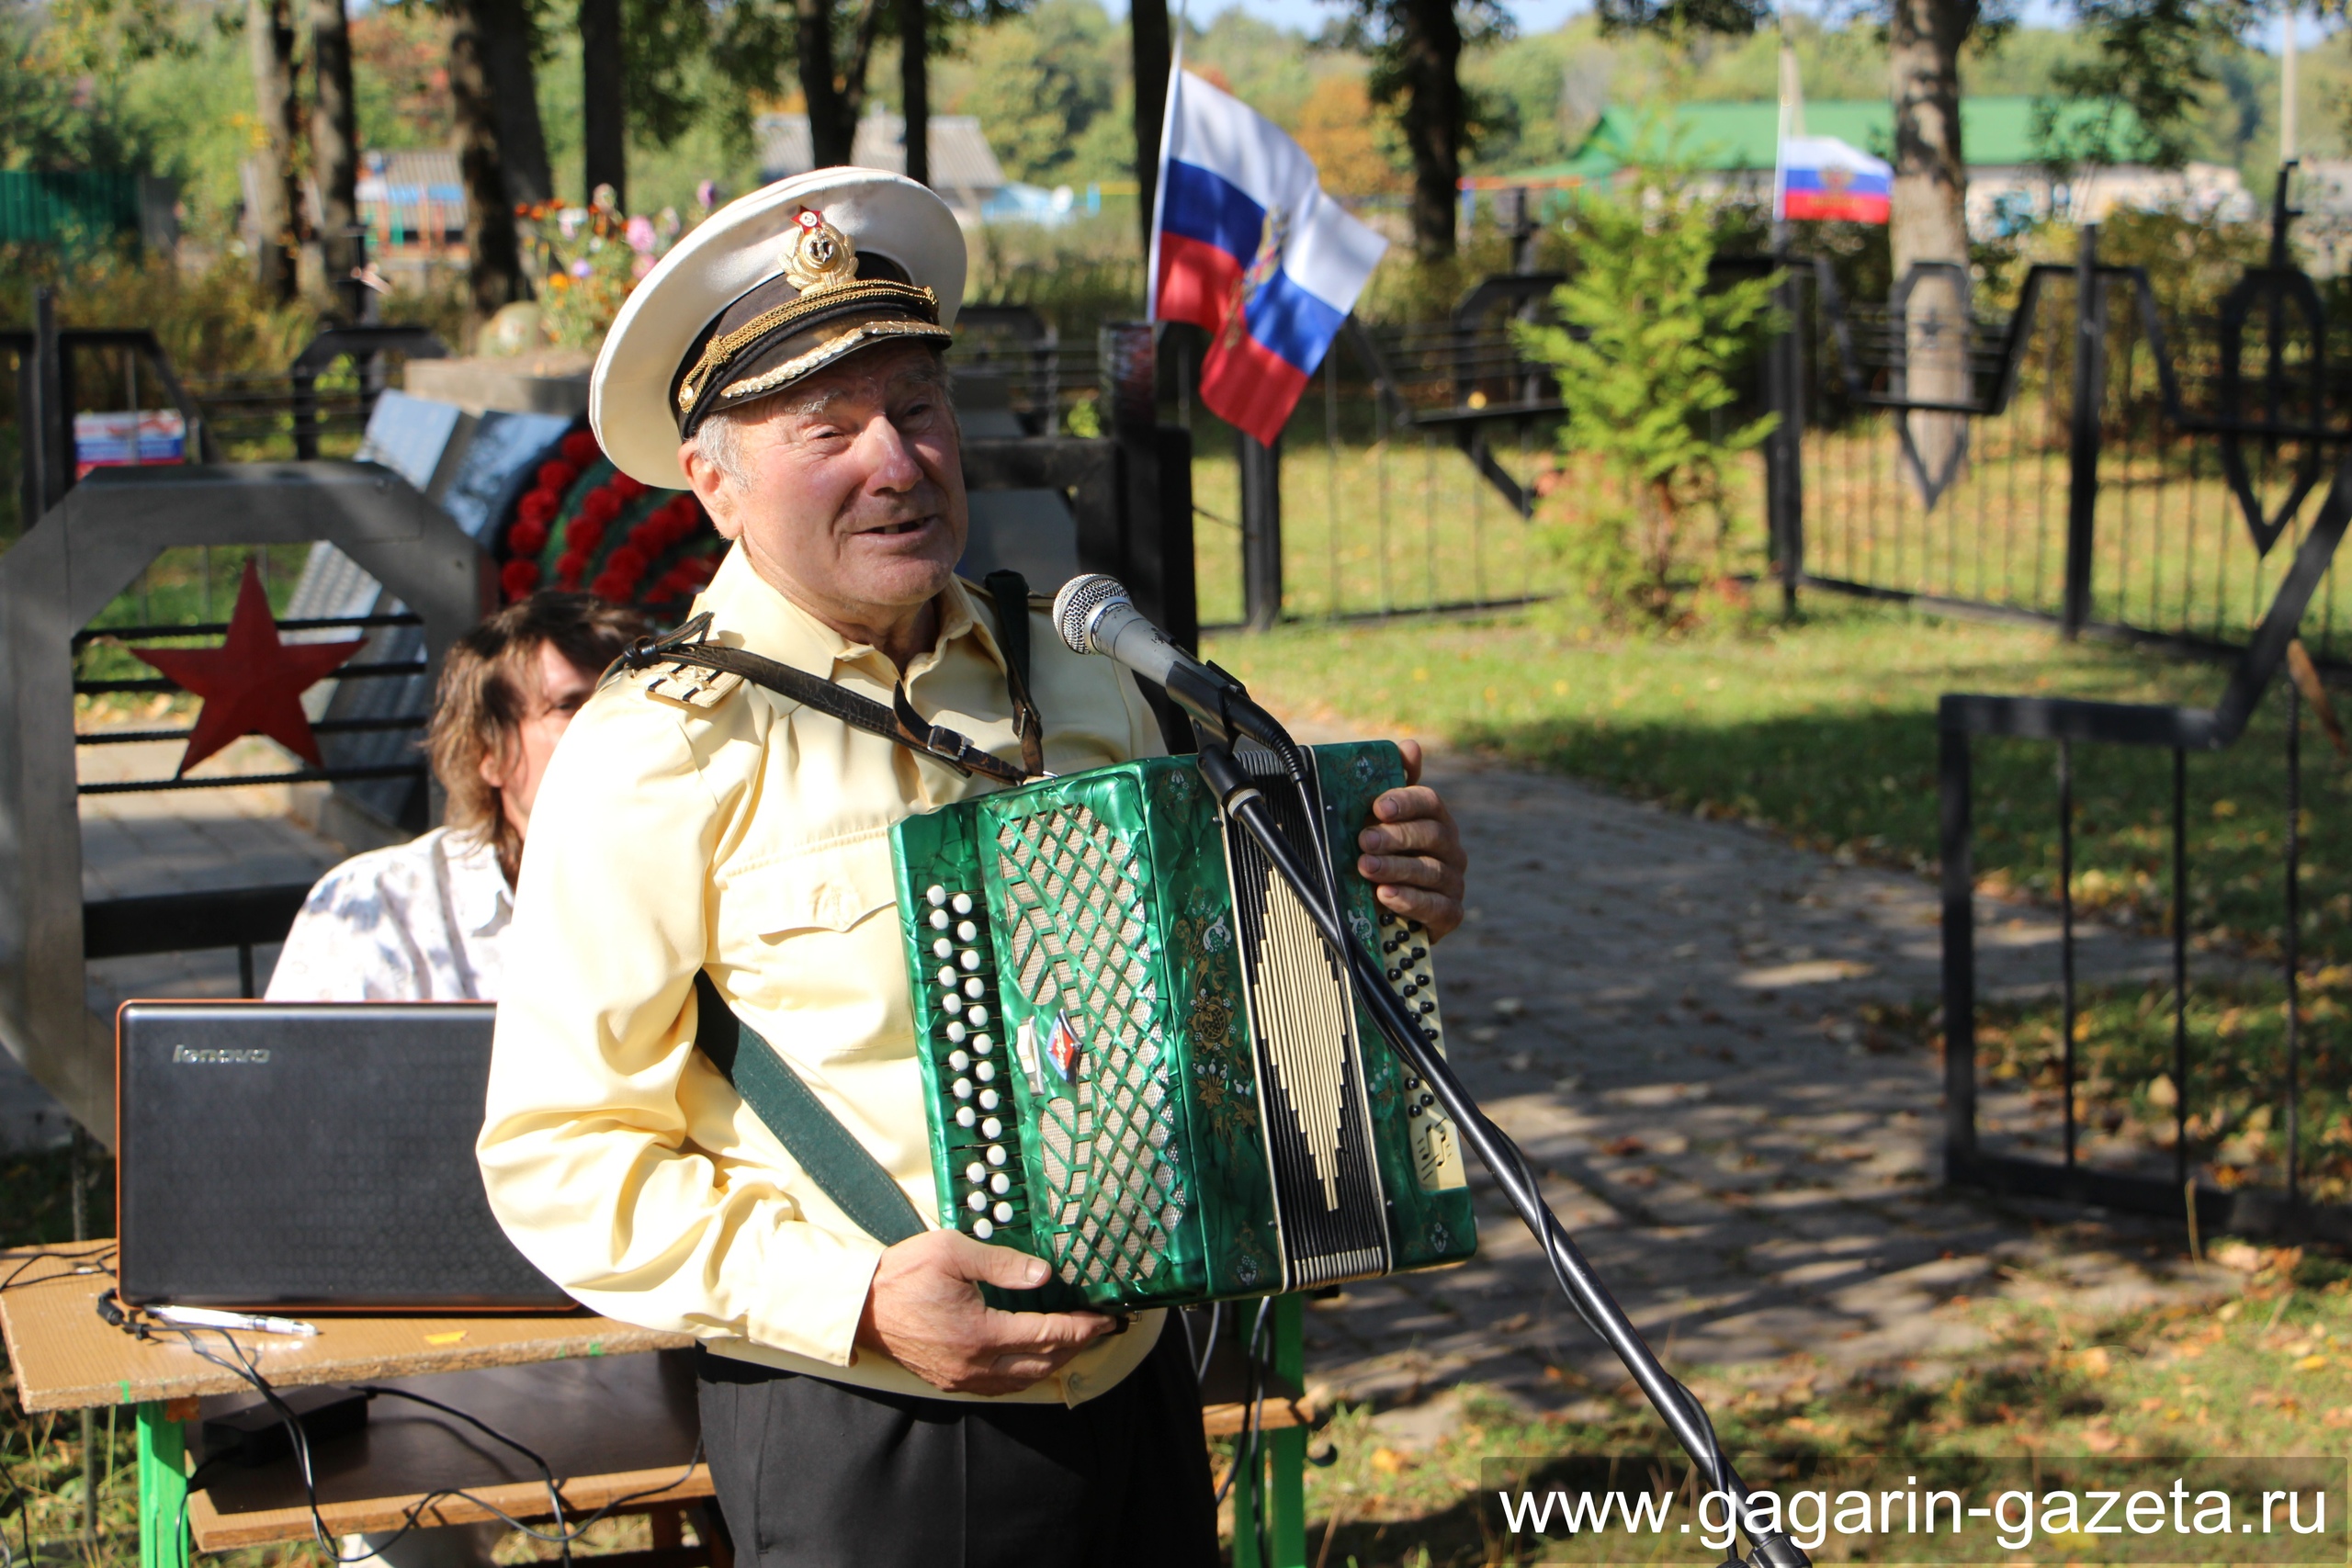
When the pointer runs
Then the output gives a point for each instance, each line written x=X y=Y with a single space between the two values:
x=522 y=141
x=1930 y=224
x=335 y=155
x=602 y=113
x=1429 y=56
x=278 y=194
x=1148 y=37
x=914 y=87
x=831 y=130
x=494 y=259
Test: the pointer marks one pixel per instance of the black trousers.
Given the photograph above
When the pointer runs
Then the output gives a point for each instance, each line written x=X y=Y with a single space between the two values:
x=818 y=1474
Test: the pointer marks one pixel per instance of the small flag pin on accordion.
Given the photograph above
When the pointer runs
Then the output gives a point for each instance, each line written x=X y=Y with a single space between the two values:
x=1061 y=1046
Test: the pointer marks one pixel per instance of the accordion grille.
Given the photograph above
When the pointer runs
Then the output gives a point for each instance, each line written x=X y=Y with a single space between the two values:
x=1078 y=948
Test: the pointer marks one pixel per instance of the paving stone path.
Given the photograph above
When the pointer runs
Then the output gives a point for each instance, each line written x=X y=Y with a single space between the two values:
x=1665 y=1013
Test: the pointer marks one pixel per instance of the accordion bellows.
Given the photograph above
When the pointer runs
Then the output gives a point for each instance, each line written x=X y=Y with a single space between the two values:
x=1138 y=1060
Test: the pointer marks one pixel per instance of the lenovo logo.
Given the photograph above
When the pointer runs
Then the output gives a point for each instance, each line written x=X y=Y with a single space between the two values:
x=215 y=1056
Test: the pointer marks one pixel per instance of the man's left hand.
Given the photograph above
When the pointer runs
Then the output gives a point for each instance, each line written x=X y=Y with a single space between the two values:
x=1412 y=853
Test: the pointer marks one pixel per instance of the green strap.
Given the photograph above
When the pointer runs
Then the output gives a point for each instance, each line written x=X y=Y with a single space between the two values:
x=839 y=1166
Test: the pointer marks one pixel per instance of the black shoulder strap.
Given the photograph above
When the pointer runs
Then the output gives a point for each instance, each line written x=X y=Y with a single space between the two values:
x=689 y=645
x=1010 y=592
x=843 y=1169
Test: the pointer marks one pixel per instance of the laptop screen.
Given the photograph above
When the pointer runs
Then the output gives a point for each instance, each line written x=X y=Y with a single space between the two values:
x=312 y=1154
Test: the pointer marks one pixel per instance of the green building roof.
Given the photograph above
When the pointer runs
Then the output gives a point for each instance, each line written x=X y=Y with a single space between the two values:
x=1731 y=137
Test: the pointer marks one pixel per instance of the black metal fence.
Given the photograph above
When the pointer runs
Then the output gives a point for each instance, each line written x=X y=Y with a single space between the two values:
x=2238 y=1166
x=2113 y=461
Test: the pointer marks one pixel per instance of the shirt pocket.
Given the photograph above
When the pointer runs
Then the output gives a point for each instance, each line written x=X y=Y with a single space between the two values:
x=830 y=887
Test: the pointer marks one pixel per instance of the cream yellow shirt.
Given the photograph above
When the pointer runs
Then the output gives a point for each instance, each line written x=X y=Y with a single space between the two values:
x=751 y=839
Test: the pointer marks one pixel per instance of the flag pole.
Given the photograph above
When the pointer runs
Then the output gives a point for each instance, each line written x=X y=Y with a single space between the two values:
x=1791 y=124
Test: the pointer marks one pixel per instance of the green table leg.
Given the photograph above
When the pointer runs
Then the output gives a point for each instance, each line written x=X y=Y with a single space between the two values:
x=1287 y=1494
x=163 y=1490
x=1282 y=1497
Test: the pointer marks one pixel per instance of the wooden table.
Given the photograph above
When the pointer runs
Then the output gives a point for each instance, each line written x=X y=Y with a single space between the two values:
x=67 y=1357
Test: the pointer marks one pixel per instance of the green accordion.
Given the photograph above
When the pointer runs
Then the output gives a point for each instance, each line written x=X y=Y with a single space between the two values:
x=1139 y=1061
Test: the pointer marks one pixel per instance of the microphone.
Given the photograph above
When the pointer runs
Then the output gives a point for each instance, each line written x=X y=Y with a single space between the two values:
x=1094 y=615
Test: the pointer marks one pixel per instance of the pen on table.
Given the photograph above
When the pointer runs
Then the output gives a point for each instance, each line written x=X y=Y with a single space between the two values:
x=209 y=1317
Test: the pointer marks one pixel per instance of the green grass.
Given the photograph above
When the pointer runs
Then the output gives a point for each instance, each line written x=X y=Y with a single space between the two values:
x=1824 y=731
x=2265 y=1373
x=1369 y=527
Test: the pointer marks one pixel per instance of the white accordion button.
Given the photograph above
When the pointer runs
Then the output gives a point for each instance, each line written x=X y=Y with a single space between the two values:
x=982 y=1044
x=965 y=930
x=935 y=895
x=963 y=1091
x=969 y=958
x=1004 y=1213
x=974 y=989
x=996 y=1154
x=958 y=1061
x=976 y=1173
x=962 y=904
x=954 y=1033
x=982 y=1229
x=989 y=1098
x=938 y=919
x=947 y=979
x=976 y=1017
x=965 y=1116
x=985 y=1072
x=991 y=1128
x=979 y=1201
x=943 y=948
x=1000 y=1184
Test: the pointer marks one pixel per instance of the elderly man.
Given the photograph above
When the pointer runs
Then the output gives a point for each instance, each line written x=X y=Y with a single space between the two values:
x=861 y=1402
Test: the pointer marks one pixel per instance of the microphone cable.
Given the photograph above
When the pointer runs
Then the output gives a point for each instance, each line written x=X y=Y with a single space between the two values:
x=111 y=1309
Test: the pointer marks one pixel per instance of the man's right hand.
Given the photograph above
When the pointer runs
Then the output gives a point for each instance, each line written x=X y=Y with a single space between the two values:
x=924 y=1311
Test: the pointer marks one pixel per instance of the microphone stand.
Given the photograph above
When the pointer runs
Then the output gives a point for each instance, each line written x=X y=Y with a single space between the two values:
x=1680 y=1409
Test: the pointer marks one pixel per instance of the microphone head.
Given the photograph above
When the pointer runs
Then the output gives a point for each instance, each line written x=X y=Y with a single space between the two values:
x=1079 y=605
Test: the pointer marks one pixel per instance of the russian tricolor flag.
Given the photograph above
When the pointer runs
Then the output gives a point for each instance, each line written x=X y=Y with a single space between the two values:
x=1822 y=178
x=1245 y=245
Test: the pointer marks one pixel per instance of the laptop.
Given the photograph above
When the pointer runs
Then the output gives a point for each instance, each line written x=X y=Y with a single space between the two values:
x=309 y=1155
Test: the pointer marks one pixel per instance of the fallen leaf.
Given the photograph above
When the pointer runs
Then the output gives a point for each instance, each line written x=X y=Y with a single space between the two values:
x=2311 y=1363
x=2099 y=1440
x=2236 y=1255
x=1389 y=1461
x=2093 y=1362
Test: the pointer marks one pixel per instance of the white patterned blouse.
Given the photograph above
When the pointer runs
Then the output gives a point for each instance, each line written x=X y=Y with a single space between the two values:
x=420 y=922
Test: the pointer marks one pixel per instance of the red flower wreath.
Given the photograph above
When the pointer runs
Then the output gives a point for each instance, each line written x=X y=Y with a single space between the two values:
x=621 y=573
x=537 y=512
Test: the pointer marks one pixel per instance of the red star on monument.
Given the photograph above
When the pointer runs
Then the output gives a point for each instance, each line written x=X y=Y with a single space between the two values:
x=253 y=683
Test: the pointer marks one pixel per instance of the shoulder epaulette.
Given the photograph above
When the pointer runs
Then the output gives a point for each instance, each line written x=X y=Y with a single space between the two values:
x=675 y=681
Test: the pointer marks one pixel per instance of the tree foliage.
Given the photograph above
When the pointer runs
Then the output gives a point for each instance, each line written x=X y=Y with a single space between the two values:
x=2157 y=58
x=1047 y=90
x=1644 y=351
